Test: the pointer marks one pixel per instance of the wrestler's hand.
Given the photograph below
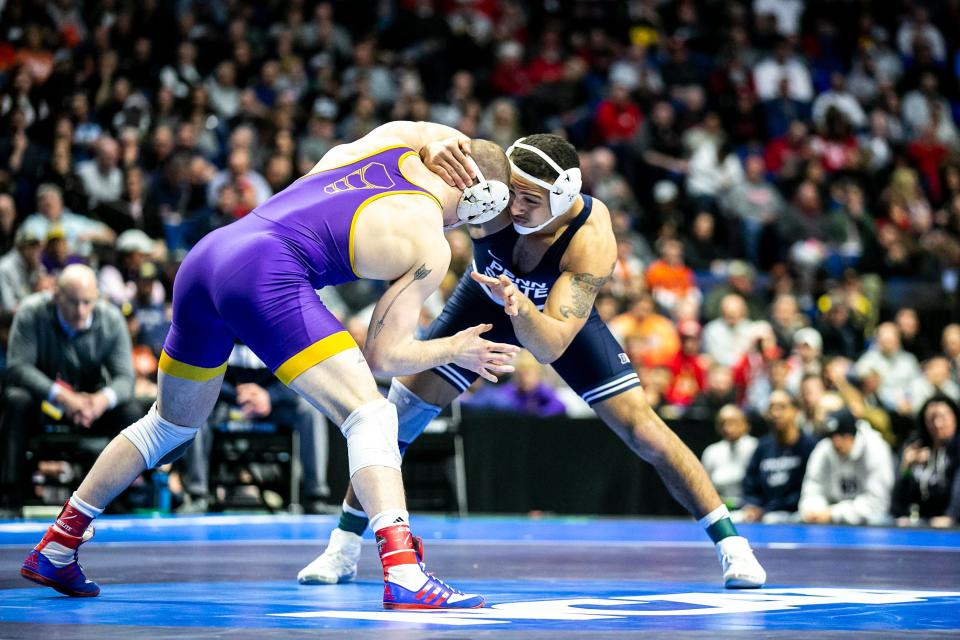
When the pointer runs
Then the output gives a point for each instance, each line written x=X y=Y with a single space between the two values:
x=482 y=356
x=503 y=290
x=448 y=159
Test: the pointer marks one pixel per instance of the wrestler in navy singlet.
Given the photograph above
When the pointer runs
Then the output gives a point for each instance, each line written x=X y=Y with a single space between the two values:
x=594 y=365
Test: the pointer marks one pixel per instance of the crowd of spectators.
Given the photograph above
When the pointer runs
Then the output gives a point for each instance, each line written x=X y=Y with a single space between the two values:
x=783 y=178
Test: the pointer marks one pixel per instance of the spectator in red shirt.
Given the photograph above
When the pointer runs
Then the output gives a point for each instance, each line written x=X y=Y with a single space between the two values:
x=618 y=117
x=688 y=367
x=509 y=76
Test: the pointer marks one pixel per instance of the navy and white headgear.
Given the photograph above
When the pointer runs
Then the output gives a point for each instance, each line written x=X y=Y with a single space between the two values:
x=563 y=191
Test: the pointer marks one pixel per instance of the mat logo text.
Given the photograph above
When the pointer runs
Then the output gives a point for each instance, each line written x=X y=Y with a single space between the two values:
x=627 y=606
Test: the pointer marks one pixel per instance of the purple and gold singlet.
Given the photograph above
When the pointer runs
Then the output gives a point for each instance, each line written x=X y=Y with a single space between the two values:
x=255 y=280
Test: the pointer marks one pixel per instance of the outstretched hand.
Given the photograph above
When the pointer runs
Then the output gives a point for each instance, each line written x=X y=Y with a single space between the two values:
x=482 y=356
x=448 y=159
x=502 y=289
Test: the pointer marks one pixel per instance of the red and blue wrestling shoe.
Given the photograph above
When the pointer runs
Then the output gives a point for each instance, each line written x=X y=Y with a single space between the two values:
x=68 y=580
x=434 y=594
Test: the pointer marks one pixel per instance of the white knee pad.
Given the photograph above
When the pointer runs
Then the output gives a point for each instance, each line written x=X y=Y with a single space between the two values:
x=413 y=413
x=157 y=440
x=371 y=433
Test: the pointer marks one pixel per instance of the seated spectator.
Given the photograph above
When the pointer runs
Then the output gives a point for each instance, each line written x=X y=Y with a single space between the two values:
x=726 y=461
x=8 y=222
x=840 y=98
x=927 y=486
x=741 y=278
x=133 y=210
x=786 y=320
x=838 y=329
x=119 y=282
x=669 y=279
x=783 y=65
x=751 y=373
x=849 y=475
x=728 y=337
x=101 y=176
x=934 y=382
x=812 y=391
x=526 y=392
x=713 y=172
x=806 y=358
x=912 y=338
x=80 y=230
x=20 y=269
x=56 y=254
x=897 y=369
x=774 y=477
x=704 y=249
x=719 y=392
x=649 y=338
x=755 y=205
x=250 y=392
x=688 y=370
x=950 y=343
x=836 y=373
x=69 y=362
x=152 y=314
x=250 y=185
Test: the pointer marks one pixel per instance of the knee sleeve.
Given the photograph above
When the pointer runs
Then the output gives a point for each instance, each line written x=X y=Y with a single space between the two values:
x=413 y=413
x=371 y=433
x=158 y=441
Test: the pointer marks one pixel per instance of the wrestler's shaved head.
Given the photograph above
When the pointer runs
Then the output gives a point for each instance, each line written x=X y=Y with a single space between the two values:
x=491 y=160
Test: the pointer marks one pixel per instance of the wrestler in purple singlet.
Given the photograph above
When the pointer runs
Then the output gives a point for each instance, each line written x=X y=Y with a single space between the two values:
x=255 y=279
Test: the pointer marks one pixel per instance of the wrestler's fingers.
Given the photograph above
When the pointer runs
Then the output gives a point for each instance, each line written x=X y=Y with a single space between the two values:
x=486 y=375
x=482 y=279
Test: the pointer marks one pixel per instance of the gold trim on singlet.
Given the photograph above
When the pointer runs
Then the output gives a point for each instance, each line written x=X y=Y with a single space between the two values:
x=178 y=369
x=314 y=354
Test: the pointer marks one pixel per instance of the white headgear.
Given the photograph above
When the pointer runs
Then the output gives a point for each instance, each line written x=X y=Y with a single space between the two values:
x=563 y=191
x=483 y=201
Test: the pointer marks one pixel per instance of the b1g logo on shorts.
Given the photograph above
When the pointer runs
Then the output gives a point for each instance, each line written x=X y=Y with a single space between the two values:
x=623 y=358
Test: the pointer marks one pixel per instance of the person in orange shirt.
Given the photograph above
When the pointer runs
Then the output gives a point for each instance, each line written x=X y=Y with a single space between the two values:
x=669 y=279
x=650 y=338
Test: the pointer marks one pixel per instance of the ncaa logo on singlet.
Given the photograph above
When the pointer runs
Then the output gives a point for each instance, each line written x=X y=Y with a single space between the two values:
x=372 y=175
x=536 y=291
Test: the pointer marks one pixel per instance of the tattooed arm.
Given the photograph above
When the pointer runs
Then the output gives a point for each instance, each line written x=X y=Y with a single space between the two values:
x=588 y=263
x=391 y=348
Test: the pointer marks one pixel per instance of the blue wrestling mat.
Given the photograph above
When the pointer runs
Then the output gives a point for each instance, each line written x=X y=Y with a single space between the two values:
x=234 y=576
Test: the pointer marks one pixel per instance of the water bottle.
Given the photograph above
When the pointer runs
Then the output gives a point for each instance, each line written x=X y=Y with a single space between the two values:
x=161 y=491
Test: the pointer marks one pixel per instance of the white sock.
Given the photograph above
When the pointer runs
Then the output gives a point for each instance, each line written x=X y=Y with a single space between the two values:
x=354 y=512
x=85 y=508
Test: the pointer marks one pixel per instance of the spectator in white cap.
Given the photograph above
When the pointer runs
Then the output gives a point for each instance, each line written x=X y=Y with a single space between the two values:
x=806 y=358
x=118 y=282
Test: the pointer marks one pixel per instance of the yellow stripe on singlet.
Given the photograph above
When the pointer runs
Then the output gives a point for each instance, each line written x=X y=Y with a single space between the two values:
x=314 y=354
x=177 y=369
x=353 y=222
x=356 y=215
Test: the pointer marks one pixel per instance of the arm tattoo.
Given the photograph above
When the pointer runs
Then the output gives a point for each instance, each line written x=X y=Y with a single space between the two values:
x=585 y=289
x=421 y=273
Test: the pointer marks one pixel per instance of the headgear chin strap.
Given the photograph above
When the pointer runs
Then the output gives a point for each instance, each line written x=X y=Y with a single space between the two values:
x=563 y=191
x=483 y=201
